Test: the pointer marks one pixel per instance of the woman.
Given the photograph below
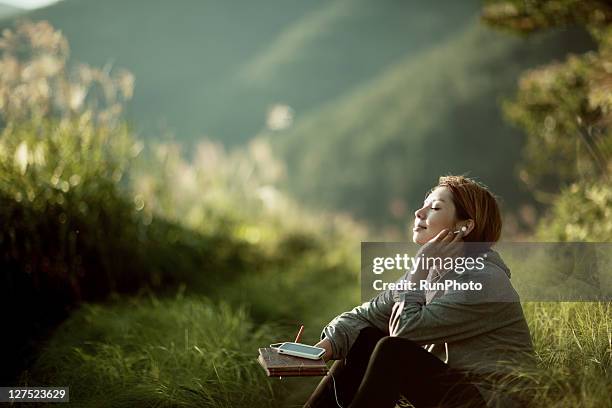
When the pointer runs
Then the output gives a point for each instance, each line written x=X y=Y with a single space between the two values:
x=434 y=348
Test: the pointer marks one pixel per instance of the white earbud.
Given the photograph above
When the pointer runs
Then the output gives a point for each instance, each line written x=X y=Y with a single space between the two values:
x=463 y=229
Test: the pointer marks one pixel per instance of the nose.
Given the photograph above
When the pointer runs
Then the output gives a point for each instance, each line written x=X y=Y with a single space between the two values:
x=419 y=213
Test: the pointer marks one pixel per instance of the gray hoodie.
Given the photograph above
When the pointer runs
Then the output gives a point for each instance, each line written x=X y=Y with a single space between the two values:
x=481 y=331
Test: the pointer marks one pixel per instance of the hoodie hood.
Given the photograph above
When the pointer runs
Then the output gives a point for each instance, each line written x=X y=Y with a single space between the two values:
x=493 y=257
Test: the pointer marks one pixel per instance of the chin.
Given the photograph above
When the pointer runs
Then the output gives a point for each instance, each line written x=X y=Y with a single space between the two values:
x=418 y=238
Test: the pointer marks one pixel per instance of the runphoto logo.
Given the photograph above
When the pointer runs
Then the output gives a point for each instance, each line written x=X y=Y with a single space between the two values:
x=404 y=285
x=410 y=263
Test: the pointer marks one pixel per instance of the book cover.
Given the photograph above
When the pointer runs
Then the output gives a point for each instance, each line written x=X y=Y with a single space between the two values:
x=277 y=364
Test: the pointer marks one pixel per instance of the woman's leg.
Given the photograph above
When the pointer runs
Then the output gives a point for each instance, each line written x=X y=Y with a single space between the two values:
x=347 y=374
x=401 y=367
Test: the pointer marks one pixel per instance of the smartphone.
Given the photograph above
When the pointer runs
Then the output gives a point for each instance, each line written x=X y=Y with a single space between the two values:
x=301 y=350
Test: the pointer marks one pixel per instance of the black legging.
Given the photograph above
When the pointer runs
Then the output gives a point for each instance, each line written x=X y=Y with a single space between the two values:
x=379 y=369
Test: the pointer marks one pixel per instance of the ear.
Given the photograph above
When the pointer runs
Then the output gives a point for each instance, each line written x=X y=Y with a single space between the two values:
x=470 y=226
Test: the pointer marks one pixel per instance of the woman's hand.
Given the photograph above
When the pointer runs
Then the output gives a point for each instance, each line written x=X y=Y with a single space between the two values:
x=445 y=244
x=326 y=344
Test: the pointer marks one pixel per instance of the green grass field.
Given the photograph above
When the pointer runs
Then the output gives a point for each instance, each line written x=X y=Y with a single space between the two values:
x=193 y=352
x=150 y=352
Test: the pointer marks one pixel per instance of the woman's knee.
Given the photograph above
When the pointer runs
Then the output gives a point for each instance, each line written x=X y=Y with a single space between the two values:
x=368 y=337
x=389 y=343
x=385 y=348
x=365 y=343
x=372 y=332
x=398 y=347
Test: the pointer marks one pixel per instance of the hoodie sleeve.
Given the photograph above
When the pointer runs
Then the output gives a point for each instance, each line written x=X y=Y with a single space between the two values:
x=344 y=329
x=460 y=314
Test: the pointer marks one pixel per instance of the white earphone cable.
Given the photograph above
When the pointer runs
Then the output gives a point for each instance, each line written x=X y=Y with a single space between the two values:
x=335 y=393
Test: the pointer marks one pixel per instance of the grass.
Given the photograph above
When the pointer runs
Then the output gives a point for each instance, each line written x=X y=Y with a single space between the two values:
x=573 y=342
x=192 y=352
x=159 y=353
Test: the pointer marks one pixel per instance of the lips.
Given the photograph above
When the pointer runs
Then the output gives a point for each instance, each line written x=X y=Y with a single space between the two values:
x=419 y=228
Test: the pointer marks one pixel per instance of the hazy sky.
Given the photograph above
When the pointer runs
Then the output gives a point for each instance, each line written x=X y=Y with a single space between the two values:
x=28 y=4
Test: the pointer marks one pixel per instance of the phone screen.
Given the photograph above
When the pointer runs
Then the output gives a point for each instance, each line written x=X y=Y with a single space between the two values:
x=315 y=351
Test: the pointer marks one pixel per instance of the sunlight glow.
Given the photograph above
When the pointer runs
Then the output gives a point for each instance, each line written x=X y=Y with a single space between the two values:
x=28 y=4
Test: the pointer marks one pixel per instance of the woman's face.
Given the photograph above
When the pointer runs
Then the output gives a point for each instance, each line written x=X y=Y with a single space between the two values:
x=437 y=213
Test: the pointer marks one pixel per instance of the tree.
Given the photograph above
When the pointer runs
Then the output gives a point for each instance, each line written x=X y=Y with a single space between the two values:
x=565 y=107
x=566 y=110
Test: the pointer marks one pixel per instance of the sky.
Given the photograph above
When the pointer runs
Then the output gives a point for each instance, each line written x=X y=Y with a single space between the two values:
x=28 y=4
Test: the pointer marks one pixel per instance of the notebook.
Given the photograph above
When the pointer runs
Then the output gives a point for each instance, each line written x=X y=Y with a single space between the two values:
x=282 y=365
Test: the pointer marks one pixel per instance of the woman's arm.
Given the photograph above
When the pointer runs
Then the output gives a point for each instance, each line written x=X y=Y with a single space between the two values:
x=326 y=344
x=459 y=314
x=343 y=330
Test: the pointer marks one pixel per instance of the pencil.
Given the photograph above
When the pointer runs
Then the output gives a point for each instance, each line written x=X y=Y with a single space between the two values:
x=297 y=338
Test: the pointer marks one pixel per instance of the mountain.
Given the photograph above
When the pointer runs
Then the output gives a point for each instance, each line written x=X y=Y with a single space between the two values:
x=386 y=95
x=210 y=67
x=377 y=150
x=7 y=10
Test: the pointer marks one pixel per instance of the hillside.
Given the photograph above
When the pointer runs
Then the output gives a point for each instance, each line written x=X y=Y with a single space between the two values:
x=6 y=10
x=377 y=88
x=377 y=149
x=213 y=68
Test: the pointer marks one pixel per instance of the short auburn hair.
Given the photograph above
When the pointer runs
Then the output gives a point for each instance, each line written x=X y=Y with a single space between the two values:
x=474 y=200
